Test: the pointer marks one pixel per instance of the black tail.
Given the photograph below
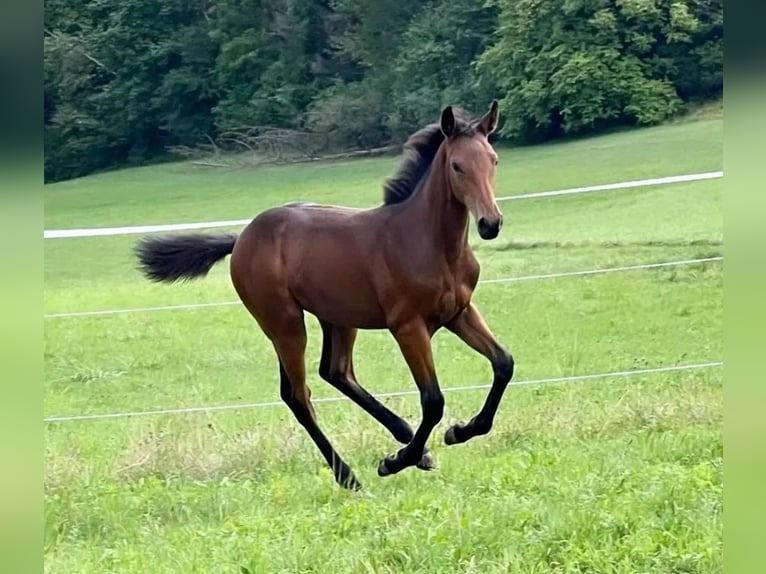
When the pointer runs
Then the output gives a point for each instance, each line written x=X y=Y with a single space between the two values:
x=182 y=256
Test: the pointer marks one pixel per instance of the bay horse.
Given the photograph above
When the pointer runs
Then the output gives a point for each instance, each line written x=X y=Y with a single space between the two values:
x=405 y=266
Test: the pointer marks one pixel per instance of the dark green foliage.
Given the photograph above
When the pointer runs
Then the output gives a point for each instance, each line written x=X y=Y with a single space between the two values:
x=123 y=80
x=351 y=114
x=127 y=80
x=263 y=69
x=434 y=66
x=574 y=66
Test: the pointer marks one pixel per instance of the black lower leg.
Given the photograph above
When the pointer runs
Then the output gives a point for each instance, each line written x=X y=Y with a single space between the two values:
x=482 y=423
x=335 y=367
x=304 y=414
x=397 y=426
x=432 y=403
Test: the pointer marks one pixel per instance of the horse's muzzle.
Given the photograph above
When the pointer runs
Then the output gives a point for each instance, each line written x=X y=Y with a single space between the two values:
x=489 y=229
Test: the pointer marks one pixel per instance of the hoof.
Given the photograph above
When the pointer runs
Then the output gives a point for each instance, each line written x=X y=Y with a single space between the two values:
x=351 y=483
x=383 y=469
x=450 y=437
x=396 y=463
x=426 y=462
x=346 y=479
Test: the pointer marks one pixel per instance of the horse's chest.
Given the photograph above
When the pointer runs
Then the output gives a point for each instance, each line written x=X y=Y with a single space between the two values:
x=453 y=298
x=435 y=293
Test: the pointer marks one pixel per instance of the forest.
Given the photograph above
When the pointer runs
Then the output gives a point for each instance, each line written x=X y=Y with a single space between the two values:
x=127 y=82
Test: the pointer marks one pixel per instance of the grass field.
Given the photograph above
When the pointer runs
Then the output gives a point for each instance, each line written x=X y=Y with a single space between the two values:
x=619 y=474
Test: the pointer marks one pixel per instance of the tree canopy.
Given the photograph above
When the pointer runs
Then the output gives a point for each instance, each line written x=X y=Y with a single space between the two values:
x=126 y=81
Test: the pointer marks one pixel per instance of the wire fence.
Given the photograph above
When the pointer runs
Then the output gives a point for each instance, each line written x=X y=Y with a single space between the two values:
x=48 y=234
x=403 y=393
x=557 y=275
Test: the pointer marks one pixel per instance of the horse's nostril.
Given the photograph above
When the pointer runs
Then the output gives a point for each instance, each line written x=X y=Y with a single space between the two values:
x=488 y=229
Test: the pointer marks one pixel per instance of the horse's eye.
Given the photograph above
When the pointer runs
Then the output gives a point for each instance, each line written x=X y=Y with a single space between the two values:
x=496 y=161
x=456 y=167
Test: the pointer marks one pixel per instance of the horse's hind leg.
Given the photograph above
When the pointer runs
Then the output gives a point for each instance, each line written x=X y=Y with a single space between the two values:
x=337 y=368
x=290 y=344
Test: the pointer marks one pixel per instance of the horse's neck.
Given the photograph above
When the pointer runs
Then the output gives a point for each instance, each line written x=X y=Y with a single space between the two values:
x=439 y=215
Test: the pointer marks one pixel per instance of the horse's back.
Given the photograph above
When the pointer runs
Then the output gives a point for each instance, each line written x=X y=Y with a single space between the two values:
x=322 y=255
x=300 y=215
x=321 y=206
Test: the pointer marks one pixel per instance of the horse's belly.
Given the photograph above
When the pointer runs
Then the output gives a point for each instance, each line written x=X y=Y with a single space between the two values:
x=363 y=318
x=341 y=296
x=343 y=307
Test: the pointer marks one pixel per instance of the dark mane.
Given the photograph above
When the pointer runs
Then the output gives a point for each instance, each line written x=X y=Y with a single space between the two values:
x=418 y=153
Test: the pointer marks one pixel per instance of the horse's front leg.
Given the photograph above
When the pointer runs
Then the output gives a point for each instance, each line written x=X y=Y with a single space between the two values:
x=473 y=330
x=414 y=340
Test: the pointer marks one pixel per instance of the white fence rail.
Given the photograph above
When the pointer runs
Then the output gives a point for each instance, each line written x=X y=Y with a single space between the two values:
x=137 y=229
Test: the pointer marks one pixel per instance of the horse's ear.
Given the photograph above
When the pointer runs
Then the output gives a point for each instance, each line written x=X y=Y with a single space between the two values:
x=448 y=121
x=488 y=123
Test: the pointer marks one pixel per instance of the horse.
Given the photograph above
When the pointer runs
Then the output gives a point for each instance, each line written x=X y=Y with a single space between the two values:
x=405 y=266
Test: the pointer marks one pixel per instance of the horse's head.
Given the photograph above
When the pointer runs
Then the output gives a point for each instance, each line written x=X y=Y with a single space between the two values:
x=471 y=162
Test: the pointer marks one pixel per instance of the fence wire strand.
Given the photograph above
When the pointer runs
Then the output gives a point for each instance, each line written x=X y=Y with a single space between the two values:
x=268 y=404
x=579 y=273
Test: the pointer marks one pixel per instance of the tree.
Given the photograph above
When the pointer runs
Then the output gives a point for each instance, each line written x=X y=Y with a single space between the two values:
x=124 y=79
x=435 y=64
x=127 y=80
x=573 y=66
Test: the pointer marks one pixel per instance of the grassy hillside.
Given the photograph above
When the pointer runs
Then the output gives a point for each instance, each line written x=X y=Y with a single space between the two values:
x=618 y=474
